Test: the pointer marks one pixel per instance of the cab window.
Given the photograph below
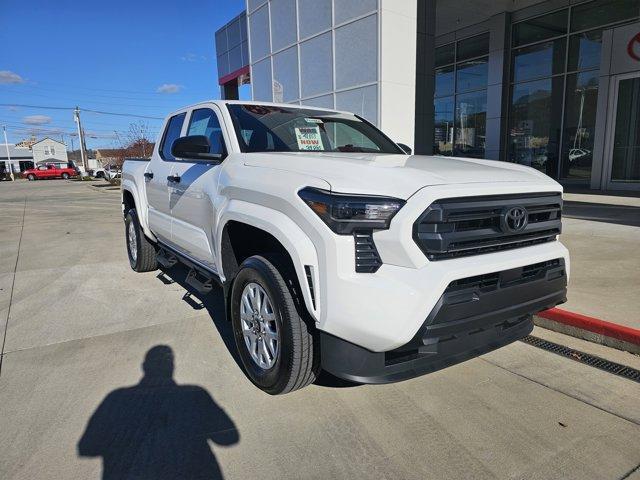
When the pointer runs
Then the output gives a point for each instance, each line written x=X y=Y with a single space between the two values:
x=174 y=126
x=205 y=122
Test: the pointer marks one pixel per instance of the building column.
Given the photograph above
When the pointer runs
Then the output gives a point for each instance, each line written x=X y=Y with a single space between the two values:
x=498 y=87
x=425 y=77
x=397 y=70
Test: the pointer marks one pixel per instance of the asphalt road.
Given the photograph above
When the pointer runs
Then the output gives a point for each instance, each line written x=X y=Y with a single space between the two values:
x=105 y=371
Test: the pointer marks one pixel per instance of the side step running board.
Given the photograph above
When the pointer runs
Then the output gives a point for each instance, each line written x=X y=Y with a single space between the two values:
x=199 y=281
x=165 y=258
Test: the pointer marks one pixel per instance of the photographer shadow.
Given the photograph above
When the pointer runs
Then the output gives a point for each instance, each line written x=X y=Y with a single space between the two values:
x=158 y=428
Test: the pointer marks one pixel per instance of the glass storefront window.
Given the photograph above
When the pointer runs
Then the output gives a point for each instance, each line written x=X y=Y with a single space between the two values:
x=540 y=60
x=460 y=103
x=603 y=12
x=584 y=50
x=579 y=125
x=445 y=84
x=540 y=28
x=534 y=129
x=445 y=54
x=472 y=75
x=443 y=138
x=626 y=141
x=471 y=121
x=473 y=47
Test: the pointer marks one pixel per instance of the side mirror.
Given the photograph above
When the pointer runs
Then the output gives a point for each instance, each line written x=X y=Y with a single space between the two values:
x=405 y=148
x=194 y=147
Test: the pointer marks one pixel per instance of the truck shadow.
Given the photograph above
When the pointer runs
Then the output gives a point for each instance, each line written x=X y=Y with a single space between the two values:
x=601 y=212
x=213 y=302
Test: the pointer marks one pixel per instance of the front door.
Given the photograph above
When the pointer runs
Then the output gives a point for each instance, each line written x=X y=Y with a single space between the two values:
x=623 y=138
x=193 y=193
x=158 y=184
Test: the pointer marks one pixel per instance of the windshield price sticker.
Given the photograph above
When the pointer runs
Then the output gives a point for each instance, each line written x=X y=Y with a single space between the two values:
x=308 y=138
x=313 y=120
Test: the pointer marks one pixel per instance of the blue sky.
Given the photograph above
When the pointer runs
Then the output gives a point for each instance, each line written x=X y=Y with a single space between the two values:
x=139 y=57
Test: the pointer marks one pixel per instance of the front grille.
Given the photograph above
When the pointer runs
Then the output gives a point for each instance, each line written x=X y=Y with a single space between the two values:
x=456 y=227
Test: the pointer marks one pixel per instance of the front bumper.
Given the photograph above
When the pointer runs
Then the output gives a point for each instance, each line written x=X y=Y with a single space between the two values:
x=473 y=316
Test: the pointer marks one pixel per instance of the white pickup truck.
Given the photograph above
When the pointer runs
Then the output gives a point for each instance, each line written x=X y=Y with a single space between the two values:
x=339 y=250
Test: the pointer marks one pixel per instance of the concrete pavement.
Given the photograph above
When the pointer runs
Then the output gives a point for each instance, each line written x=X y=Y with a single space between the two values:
x=602 y=234
x=82 y=328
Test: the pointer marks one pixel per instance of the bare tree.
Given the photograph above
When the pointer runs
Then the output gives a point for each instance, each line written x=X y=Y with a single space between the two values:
x=138 y=142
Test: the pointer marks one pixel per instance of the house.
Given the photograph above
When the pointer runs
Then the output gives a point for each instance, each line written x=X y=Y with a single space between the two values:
x=21 y=158
x=48 y=150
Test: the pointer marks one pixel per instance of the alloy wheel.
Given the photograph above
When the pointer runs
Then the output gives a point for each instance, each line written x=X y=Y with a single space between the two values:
x=259 y=326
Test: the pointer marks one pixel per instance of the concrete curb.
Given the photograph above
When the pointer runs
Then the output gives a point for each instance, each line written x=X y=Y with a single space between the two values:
x=589 y=328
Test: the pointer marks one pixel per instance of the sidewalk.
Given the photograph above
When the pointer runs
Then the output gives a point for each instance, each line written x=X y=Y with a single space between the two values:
x=602 y=233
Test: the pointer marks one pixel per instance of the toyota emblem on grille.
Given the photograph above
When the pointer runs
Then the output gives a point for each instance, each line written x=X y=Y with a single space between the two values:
x=514 y=219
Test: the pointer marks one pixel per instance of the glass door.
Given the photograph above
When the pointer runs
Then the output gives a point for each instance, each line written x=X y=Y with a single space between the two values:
x=623 y=140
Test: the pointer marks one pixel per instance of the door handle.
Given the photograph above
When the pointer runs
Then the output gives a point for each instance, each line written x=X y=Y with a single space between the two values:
x=148 y=175
x=174 y=178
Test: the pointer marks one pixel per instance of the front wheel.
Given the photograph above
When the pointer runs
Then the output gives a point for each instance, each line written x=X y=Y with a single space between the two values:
x=65 y=176
x=141 y=252
x=31 y=177
x=278 y=348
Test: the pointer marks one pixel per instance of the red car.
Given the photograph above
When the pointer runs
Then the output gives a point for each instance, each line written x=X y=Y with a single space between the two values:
x=49 y=170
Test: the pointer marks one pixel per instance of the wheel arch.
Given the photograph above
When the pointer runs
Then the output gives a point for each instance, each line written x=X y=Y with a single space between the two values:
x=247 y=229
x=130 y=199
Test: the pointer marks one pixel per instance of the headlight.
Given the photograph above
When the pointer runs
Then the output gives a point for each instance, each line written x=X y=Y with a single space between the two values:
x=346 y=213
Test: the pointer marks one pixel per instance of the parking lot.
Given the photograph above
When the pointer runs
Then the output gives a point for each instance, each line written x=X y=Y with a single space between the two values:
x=80 y=329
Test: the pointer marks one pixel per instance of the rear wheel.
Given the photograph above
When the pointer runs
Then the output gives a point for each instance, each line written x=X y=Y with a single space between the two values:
x=65 y=176
x=31 y=177
x=141 y=252
x=277 y=346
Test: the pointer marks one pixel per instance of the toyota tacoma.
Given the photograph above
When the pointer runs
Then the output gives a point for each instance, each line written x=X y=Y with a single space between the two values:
x=337 y=249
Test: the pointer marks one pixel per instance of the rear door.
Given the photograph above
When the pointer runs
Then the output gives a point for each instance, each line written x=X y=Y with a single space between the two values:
x=157 y=182
x=192 y=192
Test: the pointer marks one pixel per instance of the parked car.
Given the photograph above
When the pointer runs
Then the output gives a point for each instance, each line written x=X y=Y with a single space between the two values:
x=49 y=170
x=337 y=249
x=112 y=172
x=96 y=172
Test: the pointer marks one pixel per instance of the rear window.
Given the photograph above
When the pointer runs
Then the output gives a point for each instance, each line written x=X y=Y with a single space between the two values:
x=267 y=128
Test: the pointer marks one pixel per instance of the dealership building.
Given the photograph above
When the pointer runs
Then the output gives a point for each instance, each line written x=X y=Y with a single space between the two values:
x=553 y=84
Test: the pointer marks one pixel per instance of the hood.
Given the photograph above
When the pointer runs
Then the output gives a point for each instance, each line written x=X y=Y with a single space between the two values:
x=393 y=175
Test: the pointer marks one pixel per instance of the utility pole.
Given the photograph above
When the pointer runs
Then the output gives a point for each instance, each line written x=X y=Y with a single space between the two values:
x=6 y=144
x=83 y=156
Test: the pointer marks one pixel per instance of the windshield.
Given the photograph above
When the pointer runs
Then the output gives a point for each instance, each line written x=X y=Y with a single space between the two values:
x=266 y=128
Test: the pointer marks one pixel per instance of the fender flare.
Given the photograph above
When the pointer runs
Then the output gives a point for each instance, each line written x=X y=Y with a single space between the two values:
x=143 y=216
x=299 y=246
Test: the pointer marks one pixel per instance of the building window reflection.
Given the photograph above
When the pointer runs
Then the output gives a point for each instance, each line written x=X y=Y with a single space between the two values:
x=555 y=61
x=460 y=101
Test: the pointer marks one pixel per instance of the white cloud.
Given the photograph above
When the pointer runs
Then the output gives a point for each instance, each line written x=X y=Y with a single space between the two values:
x=11 y=108
x=193 y=57
x=7 y=76
x=36 y=119
x=169 y=88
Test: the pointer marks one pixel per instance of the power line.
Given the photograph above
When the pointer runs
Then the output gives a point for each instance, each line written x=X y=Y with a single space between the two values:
x=136 y=105
x=138 y=96
x=46 y=107
x=122 y=114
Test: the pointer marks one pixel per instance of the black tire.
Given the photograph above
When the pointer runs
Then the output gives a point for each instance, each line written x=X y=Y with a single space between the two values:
x=145 y=258
x=297 y=363
x=65 y=176
x=31 y=177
